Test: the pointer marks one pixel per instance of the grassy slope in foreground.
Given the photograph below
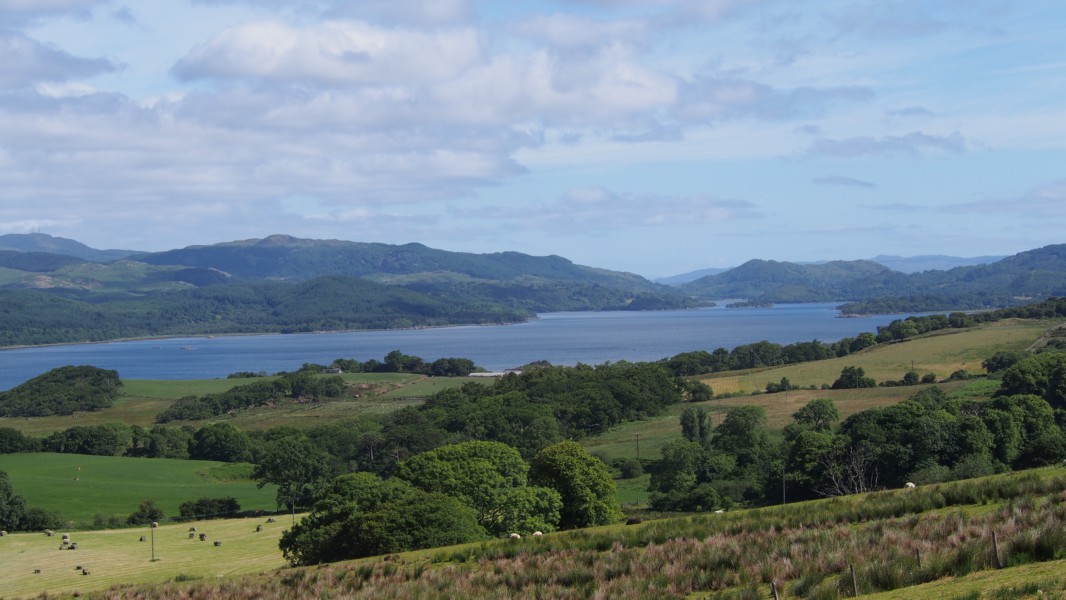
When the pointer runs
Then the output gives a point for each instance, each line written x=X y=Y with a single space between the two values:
x=806 y=548
x=79 y=486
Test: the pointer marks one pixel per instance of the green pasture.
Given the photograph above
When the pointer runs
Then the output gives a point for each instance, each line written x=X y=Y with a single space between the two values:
x=79 y=486
x=118 y=557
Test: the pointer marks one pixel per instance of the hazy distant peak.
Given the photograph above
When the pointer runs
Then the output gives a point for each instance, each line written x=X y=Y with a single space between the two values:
x=932 y=262
x=42 y=242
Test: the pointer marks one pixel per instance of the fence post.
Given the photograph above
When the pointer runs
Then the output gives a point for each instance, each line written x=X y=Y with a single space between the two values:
x=918 y=557
x=995 y=552
x=773 y=589
x=854 y=581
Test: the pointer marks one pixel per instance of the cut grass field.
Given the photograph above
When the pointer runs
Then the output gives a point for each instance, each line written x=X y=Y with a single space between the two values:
x=118 y=557
x=940 y=353
x=79 y=486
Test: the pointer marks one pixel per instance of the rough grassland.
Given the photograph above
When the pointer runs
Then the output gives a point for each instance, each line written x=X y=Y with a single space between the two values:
x=117 y=557
x=79 y=486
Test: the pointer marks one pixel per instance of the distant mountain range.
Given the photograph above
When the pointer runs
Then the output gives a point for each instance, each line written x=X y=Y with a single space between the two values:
x=59 y=290
x=908 y=264
x=872 y=287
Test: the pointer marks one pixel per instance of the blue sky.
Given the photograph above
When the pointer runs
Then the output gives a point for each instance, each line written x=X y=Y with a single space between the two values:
x=651 y=136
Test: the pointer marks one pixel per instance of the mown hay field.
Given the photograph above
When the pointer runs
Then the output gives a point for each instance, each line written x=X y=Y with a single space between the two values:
x=941 y=353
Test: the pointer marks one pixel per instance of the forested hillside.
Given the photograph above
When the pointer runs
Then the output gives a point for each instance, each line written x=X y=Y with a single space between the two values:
x=287 y=284
x=327 y=303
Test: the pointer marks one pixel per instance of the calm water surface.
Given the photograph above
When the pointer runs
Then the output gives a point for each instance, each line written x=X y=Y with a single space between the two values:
x=561 y=338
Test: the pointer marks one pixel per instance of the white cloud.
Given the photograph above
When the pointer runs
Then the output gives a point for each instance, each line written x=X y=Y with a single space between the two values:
x=333 y=53
x=911 y=143
x=844 y=181
x=1044 y=202
x=25 y=61
x=596 y=210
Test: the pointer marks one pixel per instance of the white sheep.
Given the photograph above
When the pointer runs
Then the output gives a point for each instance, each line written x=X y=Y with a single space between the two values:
x=909 y=485
x=515 y=536
x=537 y=533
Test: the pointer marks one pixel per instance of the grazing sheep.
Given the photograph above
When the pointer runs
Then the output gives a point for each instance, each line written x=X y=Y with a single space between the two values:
x=218 y=543
x=48 y=532
x=515 y=536
x=2 y=533
x=909 y=485
x=36 y=571
x=270 y=520
x=66 y=537
x=192 y=535
x=258 y=528
x=85 y=571
x=203 y=537
x=192 y=529
x=143 y=539
x=720 y=511
x=538 y=533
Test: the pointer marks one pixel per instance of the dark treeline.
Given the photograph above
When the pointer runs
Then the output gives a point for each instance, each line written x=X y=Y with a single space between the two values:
x=62 y=391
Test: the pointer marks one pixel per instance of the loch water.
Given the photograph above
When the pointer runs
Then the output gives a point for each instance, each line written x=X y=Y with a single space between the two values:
x=564 y=338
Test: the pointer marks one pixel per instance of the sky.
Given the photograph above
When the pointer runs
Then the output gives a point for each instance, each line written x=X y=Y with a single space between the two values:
x=651 y=136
